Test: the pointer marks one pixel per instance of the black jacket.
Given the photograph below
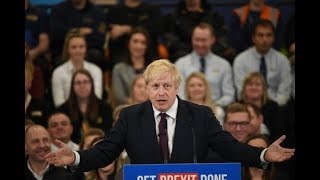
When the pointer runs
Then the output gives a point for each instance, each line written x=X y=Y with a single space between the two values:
x=135 y=131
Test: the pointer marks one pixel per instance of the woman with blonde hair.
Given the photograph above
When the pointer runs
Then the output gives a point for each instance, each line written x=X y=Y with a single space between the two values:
x=74 y=53
x=197 y=90
x=89 y=139
x=138 y=93
x=255 y=91
x=36 y=106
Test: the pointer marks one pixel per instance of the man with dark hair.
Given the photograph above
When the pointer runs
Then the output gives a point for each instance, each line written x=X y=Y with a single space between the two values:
x=245 y=18
x=261 y=57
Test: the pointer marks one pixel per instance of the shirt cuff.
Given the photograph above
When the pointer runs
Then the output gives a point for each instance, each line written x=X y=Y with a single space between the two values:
x=264 y=163
x=77 y=159
x=262 y=155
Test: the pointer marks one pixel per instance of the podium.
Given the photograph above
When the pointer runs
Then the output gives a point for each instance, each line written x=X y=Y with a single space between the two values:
x=199 y=171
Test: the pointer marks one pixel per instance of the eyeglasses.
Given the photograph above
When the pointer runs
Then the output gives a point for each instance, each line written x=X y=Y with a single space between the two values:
x=243 y=124
x=81 y=82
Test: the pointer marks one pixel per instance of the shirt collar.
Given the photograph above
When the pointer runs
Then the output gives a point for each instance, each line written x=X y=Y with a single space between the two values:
x=196 y=56
x=257 y=55
x=172 y=112
x=71 y=68
x=46 y=168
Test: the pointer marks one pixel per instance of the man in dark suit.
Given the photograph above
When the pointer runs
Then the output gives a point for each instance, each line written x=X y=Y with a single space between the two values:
x=190 y=130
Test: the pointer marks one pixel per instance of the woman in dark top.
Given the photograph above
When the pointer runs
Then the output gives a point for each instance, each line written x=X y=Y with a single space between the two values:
x=84 y=108
x=252 y=173
x=255 y=92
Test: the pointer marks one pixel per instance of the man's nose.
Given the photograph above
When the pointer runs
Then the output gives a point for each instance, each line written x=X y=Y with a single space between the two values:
x=238 y=128
x=42 y=144
x=161 y=90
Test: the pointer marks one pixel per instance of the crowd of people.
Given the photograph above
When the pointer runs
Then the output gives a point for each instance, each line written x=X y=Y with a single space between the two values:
x=83 y=65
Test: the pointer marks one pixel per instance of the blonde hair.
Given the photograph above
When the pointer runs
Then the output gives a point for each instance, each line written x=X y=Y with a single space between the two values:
x=116 y=112
x=131 y=99
x=162 y=67
x=248 y=79
x=73 y=33
x=91 y=132
x=207 y=99
x=28 y=64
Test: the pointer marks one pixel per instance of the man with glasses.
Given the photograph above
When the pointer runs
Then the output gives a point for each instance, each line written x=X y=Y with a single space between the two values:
x=237 y=121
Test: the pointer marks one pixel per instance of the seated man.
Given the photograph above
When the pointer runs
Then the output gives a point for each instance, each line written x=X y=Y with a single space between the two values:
x=237 y=121
x=37 y=145
x=60 y=127
x=256 y=124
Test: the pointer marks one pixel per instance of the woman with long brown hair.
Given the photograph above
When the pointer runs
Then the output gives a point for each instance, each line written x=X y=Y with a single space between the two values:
x=133 y=64
x=84 y=108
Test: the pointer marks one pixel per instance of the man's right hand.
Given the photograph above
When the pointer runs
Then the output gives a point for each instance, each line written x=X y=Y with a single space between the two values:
x=64 y=156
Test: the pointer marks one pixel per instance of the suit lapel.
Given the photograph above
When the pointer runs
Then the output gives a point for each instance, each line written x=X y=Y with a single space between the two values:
x=149 y=132
x=183 y=123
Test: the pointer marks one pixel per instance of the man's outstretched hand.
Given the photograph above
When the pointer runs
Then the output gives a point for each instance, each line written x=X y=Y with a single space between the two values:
x=276 y=153
x=64 y=156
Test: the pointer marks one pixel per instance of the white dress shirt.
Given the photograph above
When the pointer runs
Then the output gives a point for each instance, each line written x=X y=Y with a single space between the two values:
x=61 y=81
x=279 y=76
x=218 y=73
x=171 y=122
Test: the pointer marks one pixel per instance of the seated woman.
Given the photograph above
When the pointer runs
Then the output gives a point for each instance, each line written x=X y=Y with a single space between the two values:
x=37 y=89
x=138 y=93
x=84 y=108
x=134 y=63
x=254 y=91
x=89 y=139
x=198 y=91
x=74 y=52
x=37 y=108
x=257 y=140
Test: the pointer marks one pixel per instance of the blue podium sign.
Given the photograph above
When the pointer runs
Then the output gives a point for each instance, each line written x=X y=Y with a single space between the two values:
x=205 y=171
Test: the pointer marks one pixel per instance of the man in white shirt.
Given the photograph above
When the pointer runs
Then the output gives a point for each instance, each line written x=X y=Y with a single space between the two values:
x=262 y=57
x=217 y=70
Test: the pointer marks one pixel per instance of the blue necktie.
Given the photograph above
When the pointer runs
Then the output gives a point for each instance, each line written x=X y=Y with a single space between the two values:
x=202 y=65
x=163 y=137
x=263 y=67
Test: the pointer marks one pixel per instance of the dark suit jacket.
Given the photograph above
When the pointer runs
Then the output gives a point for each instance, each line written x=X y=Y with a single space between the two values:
x=135 y=131
x=54 y=173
